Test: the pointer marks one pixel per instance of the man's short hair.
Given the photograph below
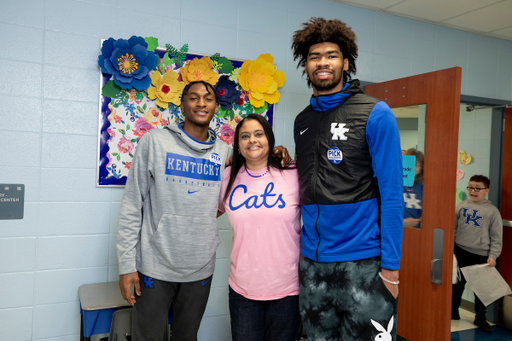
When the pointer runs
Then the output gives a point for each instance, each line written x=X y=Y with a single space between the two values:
x=481 y=178
x=209 y=88
x=319 y=30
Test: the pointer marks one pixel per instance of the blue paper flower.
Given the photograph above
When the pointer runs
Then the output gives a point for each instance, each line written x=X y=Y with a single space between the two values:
x=226 y=89
x=128 y=61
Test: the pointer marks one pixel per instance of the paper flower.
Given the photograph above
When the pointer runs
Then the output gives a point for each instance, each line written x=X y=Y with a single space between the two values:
x=227 y=134
x=166 y=89
x=261 y=79
x=199 y=70
x=226 y=89
x=153 y=116
x=125 y=145
x=128 y=61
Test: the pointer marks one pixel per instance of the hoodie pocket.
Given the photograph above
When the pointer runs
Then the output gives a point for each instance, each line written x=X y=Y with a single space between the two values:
x=186 y=242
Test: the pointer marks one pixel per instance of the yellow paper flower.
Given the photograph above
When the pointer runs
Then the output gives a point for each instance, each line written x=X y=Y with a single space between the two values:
x=261 y=79
x=199 y=70
x=166 y=89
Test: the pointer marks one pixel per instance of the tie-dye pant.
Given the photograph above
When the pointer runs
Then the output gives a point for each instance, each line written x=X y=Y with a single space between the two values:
x=345 y=301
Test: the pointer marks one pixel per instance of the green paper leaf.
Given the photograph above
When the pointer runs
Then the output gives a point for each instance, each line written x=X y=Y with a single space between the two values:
x=145 y=106
x=127 y=126
x=221 y=112
x=261 y=109
x=152 y=43
x=227 y=66
x=139 y=109
x=167 y=60
x=110 y=89
x=114 y=154
x=122 y=131
x=118 y=157
x=215 y=57
x=134 y=140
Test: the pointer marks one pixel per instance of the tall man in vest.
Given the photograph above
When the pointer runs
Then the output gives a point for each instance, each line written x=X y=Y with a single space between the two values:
x=350 y=172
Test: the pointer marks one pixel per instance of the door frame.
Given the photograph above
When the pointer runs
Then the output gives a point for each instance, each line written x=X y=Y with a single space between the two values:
x=424 y=309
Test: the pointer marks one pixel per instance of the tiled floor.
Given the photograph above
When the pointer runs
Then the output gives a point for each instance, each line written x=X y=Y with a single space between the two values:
x=465 y=330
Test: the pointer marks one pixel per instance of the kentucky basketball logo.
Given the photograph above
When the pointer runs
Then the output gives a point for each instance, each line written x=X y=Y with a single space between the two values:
x=472 y=217
x=338 y=131
x=411 y=201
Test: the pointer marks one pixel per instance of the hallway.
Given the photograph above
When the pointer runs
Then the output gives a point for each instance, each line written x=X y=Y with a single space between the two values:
x=465 y=330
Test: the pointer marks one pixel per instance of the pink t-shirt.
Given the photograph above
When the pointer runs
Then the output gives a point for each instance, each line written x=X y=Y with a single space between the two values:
x=264 y=212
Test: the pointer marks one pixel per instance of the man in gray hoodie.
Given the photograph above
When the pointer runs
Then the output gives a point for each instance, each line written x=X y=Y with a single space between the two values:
x=478 y=240
x=167 y=230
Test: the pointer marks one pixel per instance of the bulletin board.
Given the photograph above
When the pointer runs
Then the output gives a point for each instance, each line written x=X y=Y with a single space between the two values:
x=140 y=89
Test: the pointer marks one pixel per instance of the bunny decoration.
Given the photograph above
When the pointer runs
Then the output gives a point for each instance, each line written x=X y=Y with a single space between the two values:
x=385 y=335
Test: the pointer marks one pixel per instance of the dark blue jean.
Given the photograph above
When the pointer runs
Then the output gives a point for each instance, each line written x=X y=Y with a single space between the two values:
x=275 y=320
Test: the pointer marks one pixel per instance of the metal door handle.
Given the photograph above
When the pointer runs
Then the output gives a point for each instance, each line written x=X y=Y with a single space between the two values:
x=436 y=265
x=436 y=271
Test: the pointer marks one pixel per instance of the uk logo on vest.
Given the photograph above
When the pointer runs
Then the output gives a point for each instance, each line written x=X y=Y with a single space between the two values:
x=338 y=131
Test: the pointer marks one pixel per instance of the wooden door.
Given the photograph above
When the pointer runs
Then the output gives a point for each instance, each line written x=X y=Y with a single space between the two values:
x=506 y=174
x=424 y=309
x=505 y=259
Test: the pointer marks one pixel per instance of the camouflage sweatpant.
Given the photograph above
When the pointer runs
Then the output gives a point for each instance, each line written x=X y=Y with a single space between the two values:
x=345 y=301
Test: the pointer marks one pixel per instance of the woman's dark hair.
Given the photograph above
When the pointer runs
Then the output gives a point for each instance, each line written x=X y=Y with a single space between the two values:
x=238 y=160
x=319 y=30
x=419 y=158
x=209 y=88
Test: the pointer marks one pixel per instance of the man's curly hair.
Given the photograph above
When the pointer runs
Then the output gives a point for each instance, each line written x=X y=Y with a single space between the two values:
x=319 y=30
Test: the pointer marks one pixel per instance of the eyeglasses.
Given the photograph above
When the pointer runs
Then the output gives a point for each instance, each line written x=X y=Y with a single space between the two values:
x=476 y=189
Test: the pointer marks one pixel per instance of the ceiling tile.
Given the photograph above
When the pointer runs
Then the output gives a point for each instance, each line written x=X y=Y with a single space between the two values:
x=491 y=18
x=438 y=10
x=372 y=4
x=506 y=32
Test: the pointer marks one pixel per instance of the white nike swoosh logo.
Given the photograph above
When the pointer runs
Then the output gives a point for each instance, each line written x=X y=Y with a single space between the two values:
x=303 y=131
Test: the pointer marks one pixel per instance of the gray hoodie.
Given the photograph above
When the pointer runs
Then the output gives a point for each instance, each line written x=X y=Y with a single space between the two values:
x=479 y=228
x=167 y=225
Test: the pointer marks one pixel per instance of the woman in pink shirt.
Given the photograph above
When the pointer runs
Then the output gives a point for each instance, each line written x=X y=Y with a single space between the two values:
x=261 y=198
